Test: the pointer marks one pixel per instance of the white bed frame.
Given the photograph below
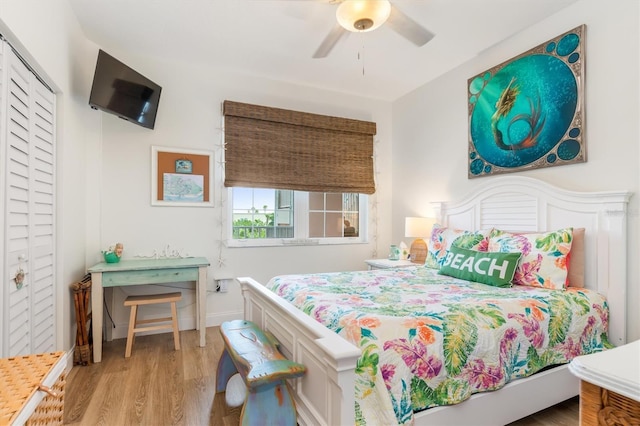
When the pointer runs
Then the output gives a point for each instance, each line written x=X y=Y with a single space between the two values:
x=325 y=395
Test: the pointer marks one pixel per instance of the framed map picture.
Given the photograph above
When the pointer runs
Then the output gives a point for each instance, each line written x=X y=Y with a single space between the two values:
x=183 y=188
x=181 y=177
x=528 y=112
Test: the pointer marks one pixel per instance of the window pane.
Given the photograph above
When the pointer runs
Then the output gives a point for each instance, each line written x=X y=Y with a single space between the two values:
x=333 y=225
x=242 y=198
x=351 y=222
x=255 y=215
x=351 y=212
x=334 y=202
x=316 y=225
x=316 y=201
x=264 y=198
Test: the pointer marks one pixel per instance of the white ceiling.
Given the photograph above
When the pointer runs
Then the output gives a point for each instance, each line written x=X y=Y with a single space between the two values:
x=277 y=38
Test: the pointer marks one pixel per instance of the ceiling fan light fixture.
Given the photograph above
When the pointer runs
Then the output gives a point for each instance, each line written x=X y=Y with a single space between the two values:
x=363 y=15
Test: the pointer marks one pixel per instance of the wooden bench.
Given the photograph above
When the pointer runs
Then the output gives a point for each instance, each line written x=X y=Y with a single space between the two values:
x=254 y=354
x=151 y=299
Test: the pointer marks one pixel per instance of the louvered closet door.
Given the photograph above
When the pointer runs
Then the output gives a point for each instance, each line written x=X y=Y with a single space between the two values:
x=28 y=134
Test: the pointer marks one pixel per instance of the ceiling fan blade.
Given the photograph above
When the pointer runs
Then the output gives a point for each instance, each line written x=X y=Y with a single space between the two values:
x=408 y=28
x=329 y=42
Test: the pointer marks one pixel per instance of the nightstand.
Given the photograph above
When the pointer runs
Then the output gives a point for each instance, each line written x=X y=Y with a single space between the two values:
x=387 y=264
x=610 y=385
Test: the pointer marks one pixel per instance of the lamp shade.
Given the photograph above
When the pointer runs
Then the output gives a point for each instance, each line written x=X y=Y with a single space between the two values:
x=418 y=227
x=363 y=15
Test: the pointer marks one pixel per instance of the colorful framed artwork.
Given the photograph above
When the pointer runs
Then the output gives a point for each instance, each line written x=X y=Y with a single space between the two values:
x=181 y=177
x=184 y=165
x=528 y=112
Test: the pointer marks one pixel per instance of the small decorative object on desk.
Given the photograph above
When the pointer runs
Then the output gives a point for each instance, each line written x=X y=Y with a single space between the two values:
x=114 y=253
x=394 y=252
x=404 y=251
x=167 y=253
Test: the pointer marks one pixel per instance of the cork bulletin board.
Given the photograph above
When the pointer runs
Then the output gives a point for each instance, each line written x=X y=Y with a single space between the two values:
x=181 y=177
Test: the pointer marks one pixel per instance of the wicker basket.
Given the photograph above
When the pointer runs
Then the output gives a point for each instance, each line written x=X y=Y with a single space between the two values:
x=602 y=407
x=22 y=378
x=50 y=411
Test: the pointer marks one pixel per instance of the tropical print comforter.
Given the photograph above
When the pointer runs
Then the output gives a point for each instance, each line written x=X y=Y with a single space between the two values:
x=430 y=340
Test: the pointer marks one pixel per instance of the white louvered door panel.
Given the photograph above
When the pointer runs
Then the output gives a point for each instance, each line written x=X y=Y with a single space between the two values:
x=4 y=274
x=28 y=139
x=42 y=215
x=17 y=199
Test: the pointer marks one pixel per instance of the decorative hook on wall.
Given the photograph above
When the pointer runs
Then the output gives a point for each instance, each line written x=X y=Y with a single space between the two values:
x=19 y=276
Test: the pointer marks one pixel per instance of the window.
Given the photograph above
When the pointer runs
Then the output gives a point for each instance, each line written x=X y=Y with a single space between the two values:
x=318 y=169
x=275 y=217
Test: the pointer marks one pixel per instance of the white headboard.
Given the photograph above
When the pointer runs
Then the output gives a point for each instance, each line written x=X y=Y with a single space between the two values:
x=517 y=203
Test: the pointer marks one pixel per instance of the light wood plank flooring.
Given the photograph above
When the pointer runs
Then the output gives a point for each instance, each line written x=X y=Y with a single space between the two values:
x=161 y=386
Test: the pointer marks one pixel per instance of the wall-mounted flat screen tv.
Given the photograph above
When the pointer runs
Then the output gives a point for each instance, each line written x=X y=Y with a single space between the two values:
x=120 y=90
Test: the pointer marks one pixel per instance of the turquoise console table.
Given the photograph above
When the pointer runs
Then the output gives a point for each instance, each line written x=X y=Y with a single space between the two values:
x=147 y=271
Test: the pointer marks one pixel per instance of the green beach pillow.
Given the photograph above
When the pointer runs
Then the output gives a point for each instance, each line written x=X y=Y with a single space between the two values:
x=492 y=268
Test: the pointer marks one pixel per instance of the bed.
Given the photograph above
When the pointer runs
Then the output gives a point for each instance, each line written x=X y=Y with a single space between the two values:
x=326 y=394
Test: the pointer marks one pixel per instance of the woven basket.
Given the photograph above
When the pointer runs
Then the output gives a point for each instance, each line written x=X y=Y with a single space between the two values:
x=602 y=407
x=21 y=378
x=50 y=411
x=618 y=410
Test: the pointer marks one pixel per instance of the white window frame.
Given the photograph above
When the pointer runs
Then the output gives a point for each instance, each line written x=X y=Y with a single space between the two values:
x=300 y=226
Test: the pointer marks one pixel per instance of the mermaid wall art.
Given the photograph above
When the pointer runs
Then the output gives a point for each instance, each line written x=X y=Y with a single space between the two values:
x=528 y=112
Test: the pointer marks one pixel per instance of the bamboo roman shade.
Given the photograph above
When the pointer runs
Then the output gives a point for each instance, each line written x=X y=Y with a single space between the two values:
x=276 y=148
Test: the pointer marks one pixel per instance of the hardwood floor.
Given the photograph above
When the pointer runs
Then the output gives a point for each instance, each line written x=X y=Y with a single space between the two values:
x=161 y=386
x=157 y=385
x=564 y=414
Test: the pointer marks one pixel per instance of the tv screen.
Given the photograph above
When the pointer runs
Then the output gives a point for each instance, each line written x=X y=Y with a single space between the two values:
x=120 y=90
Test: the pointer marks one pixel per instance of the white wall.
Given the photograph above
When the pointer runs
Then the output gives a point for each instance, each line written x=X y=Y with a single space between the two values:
x=47 y=35
x=189 y=117
x=430 y=124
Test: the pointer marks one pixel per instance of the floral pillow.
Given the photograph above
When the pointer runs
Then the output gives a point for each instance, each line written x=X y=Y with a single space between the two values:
x=442 y=238
x=545 y=256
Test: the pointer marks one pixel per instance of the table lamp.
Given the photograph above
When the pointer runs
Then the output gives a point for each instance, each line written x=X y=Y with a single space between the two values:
x=418 y=228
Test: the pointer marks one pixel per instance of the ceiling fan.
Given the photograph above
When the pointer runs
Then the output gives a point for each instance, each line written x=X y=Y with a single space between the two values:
x=367 y=15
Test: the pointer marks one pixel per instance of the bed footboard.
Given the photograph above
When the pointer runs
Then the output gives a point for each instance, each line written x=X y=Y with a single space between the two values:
x=326 y=395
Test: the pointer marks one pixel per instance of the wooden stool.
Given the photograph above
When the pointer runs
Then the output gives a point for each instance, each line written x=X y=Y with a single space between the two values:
x=254 y=354
x=150 y=299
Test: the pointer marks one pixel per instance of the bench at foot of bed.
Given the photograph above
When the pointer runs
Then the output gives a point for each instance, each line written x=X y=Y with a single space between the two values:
x=254 y=355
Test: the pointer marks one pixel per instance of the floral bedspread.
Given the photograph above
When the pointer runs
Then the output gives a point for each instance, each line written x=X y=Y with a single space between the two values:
x=431 y=340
